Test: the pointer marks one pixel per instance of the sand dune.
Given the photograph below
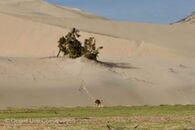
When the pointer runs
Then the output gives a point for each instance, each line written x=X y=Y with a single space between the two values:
x=141 y=64
x=187 y=20
x=66 y=82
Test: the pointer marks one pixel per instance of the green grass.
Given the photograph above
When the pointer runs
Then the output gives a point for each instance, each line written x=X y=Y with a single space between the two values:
x=162 y=117
x=163 y=110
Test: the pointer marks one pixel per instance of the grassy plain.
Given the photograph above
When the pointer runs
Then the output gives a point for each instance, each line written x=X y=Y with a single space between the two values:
x=177 y=117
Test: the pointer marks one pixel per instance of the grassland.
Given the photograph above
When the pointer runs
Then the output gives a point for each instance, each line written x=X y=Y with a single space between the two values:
x=162 y=117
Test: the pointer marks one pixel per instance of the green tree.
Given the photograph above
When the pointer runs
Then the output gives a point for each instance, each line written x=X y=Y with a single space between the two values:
x=91 y=52
x=70 y=45
x=62 y=46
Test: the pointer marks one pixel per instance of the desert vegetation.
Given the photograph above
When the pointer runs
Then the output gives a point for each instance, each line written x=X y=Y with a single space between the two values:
x=71 y=46
x=162 y=117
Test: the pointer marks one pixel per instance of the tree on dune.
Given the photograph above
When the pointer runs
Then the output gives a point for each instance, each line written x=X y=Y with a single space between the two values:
x=91 y=52
x=71 y=46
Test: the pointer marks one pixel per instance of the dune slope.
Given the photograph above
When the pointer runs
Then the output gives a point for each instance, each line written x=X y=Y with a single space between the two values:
x=141 y=64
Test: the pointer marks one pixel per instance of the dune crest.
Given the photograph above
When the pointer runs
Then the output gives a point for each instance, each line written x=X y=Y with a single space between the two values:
x=187 y=20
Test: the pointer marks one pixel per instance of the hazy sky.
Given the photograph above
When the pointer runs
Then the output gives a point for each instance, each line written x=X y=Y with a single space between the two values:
x=149 y=11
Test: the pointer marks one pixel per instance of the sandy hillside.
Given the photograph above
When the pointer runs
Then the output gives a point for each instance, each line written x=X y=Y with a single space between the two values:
x=187 y=20
x=140 y=63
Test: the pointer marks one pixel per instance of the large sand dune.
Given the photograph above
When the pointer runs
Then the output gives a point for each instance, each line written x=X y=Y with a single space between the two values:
x=187 y=20
x=141 y=64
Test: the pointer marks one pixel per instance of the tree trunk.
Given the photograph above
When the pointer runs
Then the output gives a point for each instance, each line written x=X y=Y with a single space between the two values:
x=58 y=53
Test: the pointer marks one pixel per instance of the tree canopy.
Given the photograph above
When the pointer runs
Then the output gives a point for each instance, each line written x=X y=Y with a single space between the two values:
x=71 y=46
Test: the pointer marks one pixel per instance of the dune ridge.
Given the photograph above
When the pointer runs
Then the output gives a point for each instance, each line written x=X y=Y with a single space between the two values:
x=187 y=20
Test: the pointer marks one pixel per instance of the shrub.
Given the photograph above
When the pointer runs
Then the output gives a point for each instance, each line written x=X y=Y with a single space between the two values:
x=71 y=46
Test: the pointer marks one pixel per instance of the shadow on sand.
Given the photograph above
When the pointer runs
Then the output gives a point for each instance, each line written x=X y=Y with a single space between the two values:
x=117 y=65
x=121 y=65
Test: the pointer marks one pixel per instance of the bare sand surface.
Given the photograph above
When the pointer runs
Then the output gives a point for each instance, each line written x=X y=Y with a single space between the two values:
x=141 y=64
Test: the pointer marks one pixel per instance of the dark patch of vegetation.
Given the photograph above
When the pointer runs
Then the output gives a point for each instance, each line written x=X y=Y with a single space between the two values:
x=71 y=46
